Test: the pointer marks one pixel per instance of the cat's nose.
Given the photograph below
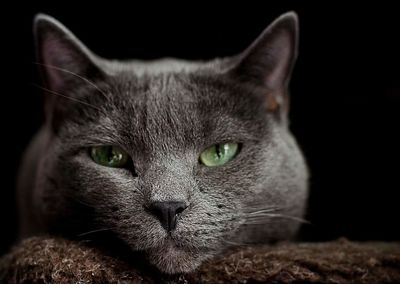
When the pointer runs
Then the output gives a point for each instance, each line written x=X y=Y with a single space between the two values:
x=167 y=212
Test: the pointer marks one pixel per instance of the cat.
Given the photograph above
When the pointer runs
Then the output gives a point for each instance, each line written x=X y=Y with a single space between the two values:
x=178 y=159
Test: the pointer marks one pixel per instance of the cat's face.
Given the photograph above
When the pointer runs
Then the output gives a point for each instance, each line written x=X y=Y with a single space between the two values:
x=163 y=115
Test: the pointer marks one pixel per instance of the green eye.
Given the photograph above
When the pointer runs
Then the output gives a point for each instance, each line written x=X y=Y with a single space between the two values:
x=219 y=154
x=109 y=156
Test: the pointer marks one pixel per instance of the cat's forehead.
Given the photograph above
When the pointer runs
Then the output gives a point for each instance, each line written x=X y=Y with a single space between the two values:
x=178 y=108
x=171 y=100
x=184 y=95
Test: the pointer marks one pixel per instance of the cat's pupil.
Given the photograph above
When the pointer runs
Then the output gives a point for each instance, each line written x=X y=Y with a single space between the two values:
x=109 y=154
x=218 y=150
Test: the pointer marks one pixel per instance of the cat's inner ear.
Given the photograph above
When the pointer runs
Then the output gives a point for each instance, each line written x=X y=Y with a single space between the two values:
x=267 y=64
x=63 y=59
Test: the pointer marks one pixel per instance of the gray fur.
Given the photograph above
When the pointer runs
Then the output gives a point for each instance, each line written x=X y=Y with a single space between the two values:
x=164 y=113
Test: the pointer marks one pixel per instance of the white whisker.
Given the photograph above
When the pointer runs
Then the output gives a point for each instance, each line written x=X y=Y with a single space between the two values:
x=73 y=74
x=263 y=211
x=274 y=215
x=94 y=231
x=64 y=96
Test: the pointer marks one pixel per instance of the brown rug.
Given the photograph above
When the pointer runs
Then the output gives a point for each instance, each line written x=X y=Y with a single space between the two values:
x=49 y=260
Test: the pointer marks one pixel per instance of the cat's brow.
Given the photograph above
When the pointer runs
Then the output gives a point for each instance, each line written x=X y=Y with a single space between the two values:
x=73 y=74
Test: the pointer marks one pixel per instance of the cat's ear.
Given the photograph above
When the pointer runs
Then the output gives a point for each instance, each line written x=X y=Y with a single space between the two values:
x=268 y=62
x=63 y=59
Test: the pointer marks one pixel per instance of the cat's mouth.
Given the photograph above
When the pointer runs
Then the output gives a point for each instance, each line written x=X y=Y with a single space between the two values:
x=172 y=258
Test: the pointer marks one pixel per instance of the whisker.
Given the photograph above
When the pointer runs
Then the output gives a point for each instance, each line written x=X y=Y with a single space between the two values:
x=64 y=96
x=263 y=211
x=260 y=206
x=242 y=244
x=94 y=231
x=73 y=74
x=273 y=215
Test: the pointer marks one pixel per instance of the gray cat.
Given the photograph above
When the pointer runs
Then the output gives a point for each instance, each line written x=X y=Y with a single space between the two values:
x=179 y=160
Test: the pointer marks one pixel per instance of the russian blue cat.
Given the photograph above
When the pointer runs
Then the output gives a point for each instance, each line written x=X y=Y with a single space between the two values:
x=177 y=159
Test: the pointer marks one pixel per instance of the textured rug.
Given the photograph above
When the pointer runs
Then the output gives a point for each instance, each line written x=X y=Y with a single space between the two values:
x=51 y=260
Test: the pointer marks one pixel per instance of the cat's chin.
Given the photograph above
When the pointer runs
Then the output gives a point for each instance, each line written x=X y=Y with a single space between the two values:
x=169 y=258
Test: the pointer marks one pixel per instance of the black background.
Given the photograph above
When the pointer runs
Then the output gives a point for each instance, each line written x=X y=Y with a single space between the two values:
x=345 y=107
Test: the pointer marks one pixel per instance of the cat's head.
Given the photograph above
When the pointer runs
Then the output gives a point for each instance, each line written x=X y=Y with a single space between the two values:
x=177 y=159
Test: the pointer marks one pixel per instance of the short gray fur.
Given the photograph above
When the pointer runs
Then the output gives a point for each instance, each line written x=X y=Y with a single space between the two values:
x=164 y=113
